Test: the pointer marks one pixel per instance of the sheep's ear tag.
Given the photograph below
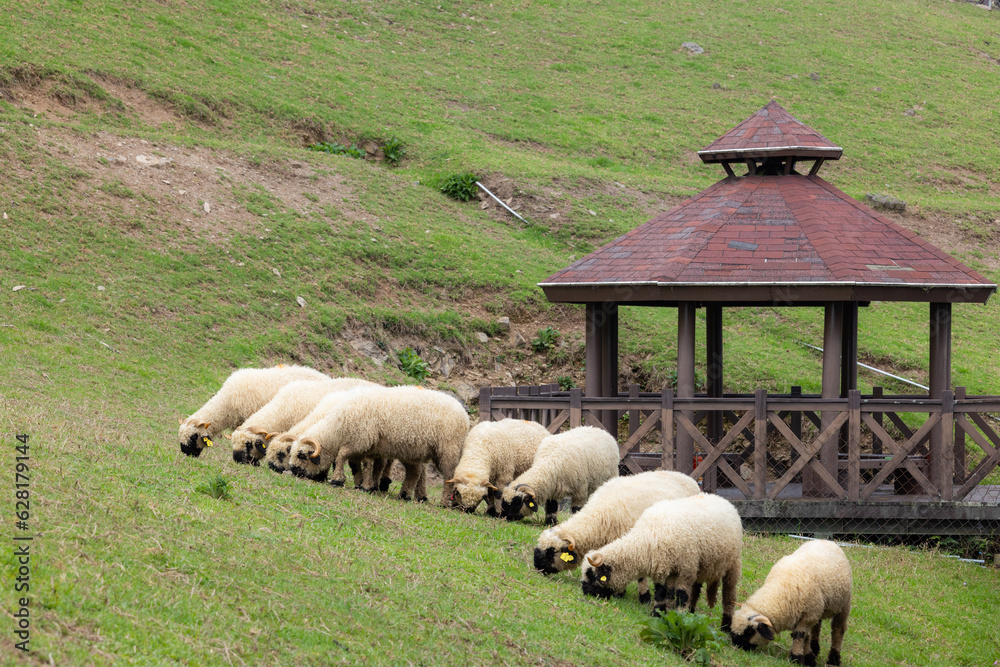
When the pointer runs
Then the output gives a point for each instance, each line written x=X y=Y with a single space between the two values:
x=567 y=558
x=531 y=504
x=604 y=578
x=208 y=441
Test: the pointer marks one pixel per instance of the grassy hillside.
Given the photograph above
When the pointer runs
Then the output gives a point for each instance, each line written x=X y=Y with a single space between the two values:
x=144 y=283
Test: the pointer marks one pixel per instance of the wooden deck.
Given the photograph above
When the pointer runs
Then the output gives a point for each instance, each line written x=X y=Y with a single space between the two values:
x=868 y=464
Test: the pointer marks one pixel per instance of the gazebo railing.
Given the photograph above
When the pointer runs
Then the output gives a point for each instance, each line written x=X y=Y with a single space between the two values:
x=788 y=446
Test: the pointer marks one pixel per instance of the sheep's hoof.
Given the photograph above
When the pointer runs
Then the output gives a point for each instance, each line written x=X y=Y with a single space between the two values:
x=834 y=658
x=550 y=520
x=644 y=598
x=492 y=511
x=367 y=490
x=384 y=483
x=337 y=482
x=403 y=495
x=574 y=510
x=422 y=500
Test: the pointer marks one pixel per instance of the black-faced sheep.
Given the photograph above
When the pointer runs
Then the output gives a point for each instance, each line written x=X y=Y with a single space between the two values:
x=801 y=590
x=290 y=405
x=678 y=545
x=243 y=393
x=571 y=464
x=494 y=454
x=408 y=424
x=609 y=513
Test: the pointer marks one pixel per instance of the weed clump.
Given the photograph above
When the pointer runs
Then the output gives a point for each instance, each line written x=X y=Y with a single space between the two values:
x=412 y=364
x=546 y=340
x=690 y=635
x=394 y=150
x=460 y=186
x=216 y=487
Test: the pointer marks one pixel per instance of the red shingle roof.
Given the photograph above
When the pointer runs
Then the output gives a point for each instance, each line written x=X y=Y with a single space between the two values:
x=771 y=132
x=787 y=231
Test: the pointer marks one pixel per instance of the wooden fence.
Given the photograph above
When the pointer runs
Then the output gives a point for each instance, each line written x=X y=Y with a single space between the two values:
x=789 y=446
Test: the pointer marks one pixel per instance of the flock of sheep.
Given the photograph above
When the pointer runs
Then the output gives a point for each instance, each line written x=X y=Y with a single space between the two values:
x=654 y=527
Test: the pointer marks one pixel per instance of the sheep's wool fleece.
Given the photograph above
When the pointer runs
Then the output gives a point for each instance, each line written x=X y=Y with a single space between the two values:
x=494 y=448
x=574 y=463
x=614 y=508
x=704 y=529
x=813 y=581
x=246 y=391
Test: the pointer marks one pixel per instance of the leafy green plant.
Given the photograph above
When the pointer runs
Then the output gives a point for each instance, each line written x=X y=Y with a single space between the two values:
x=394 y=150
x=460 y=186
x=690 y=635
x=566 y=383
x=339 y=149
x=546 y=340
x=217 y=487
x=412 y=364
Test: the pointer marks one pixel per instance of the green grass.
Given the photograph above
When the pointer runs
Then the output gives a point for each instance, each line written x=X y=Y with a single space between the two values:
x=567 y=101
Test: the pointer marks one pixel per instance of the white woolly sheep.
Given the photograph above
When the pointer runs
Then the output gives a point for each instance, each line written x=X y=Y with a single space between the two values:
x=493 y=455
x=678 y=545
x=572 y=464
x=290 y=405
x=243 y=393
x=409 y=424
x=610 y=513
x=801 y=590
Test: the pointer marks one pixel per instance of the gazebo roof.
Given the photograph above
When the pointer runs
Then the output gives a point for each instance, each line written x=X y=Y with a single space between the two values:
x=771 y=132
x=787 y=239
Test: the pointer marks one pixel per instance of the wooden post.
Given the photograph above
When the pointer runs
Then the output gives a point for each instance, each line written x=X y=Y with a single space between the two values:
x=609 y=363
x=760 y=444
x=939 y=379
x=854 y=445
x=877 y=392
x=667 y=428
x=685 y=380
x=634 y=416
x=947 y=451
x=485 y=412
x=592 y=383
x=812 y=485
x=575 y=411
x=960 y=471
x=713 y=382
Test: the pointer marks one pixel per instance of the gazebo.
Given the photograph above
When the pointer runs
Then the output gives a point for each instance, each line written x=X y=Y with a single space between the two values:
x=774 y=233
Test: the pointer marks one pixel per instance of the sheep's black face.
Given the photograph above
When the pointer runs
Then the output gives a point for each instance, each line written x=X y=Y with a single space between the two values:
x=240 y=456
x=193 y=446
x=595 y=582
x=511 y=510
x=744 y=639
x=257 y=450
x=299 y=471
x=277 y=469
x=545 y=560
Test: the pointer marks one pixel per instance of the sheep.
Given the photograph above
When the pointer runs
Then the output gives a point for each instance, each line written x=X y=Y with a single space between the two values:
x=610 y=513
x=572 y=464
x=290 y=405
x=802 y=589
x=678 y=545
x=494 y=454
x=410 y=424
x=243 y=393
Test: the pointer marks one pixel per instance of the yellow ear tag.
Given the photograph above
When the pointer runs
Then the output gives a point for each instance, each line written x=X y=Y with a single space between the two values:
x=566 y=557
x=604 y=578
x=531 y=504
x=208 y=441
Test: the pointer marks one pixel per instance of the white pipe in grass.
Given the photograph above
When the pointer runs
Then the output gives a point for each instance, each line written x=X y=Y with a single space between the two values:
x=512 y=212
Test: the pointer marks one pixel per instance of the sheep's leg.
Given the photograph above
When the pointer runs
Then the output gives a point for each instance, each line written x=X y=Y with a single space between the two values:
x=814 y=639
x=799 y=653
x=695 y=594
x=385 y=475
x=357 y=472
x=576 y=502
x=338 y=469
x=411 y=481
x=729 y=582
x=420 y=491
x=838 y=626
x=643 y=586
x=492 y=503
x=712 y=593
x=665 y=595
x=551 y=509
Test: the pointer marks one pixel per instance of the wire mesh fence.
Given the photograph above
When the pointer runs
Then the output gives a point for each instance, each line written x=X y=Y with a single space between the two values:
x=870 y=466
